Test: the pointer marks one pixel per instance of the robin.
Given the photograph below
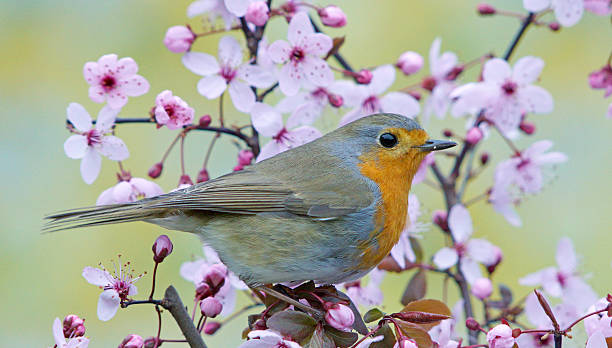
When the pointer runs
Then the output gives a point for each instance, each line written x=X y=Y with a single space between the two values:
x=328 y=211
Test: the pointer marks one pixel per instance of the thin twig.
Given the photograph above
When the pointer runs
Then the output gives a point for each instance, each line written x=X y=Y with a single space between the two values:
x=172 y=302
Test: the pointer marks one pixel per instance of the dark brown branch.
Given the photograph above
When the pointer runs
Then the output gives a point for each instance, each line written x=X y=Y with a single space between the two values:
x=172 y=302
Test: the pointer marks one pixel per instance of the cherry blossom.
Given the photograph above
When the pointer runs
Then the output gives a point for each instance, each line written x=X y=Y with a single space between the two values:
x=503 y=201
x=172 y=111
x=257 y=13
x=409 y=62
x=116 y=288
x=421 y=173
x=113 y=80
x=129 y=190
x=366 y=99
x=599 y=7
x=598 y=326
x=307 y=105
x=602 y=79
x=214 y=9
x=269 y=122
x=563 y=280
x=89 y=143
x=195 y=271
x=441 y=82
x=469 y=252
x=301 y=56
x=71 y=342
x=368 y=295
x=267 y=339
x=230 y=74
x=339 y=316
x=179 y=39
x=568 y=12
x=443 y=333
x=402 y=251
x=332 y=16
x=500 y=336
x=505 y=93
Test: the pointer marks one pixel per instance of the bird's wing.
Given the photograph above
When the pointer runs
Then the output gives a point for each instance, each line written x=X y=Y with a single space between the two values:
x=253 y=192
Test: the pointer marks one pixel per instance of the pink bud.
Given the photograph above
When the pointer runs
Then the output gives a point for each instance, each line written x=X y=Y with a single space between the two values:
x=332 y=16
x=447 y=133
x=473 y=136
x=211 y=307
x=205 y=121
x=257 y=13
x=554 y=26
x=335 y=100
x=440 y=218
x=245 y=157
x=485 y=9
x=416 y=95
x=260 y=324
x=364 y=76
x=484 y=158
x=409 y=62
x=339 y=316
x=472 y=324
x=429 y=83
x=500 y=336
x=132 y=341
x=156 y=170
x=150 y=342
x=179 y=39
x=454 y=73
x=527 y=127
x=602 y=79
x=211 y=327
x=161 y=248
x=185 y=180
x=482 y=288
x=405 y=342
x=498 y=259
x=203 y=291
x=203 y=175
x=238 y=167
x=215 y=276
x=73 y=326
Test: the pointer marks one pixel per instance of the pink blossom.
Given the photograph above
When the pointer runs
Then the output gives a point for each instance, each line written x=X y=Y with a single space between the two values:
x=470 y=252
x=73 y=326
x=116 y=288
x=269 y=122
x=179 y=39
x=563 y=280
x=482 y=288
x=421 y=173
x=155 y=170
x=402 y=251
x=214 y=9
x=211 y=307
x=443 y=333
x=366 y=99
x=409 y=62
x=309 y=104
x=602 y=79
x=440 y=67
x=599 y=7
x=89 y=143
x=599 y=325
x=71 y=342
x=114 y=80
x=257 y=13
x=332 y=16
x=230 y=74
x=268 y=339
x=474 y=135
x=597 y=340
x=500 y=336
x=301 y=56
x=568 y=12
x=197 y=271
x=162 y=248
x=129 y=191
x=503 y=198
x=505 y=93
x=132 y=341
x=172 y=111
x=340 y=317
x=368 y=295
x=245 y=157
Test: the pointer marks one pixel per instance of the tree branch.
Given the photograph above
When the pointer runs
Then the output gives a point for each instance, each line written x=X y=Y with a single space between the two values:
x=172 y=302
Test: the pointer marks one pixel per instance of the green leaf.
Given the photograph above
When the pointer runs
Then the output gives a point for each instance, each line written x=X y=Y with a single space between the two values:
x=319 y=340
x=416 y=288
x=388 y=340
x=341 y=338
x=373 y=315
x=296 y=325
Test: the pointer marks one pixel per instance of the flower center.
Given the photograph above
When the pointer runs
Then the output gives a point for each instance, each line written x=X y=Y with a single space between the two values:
x=371 y=104
x=523 y=163
x=429 y=83
x=561 y=278
x=281 y=136
x=540 y=342
x=93 y=137
x=297 y=55
x=228 y=73
x=509 y=87
x=461 y=249
x=108 y=83
x=319 y=93
x=123 y=288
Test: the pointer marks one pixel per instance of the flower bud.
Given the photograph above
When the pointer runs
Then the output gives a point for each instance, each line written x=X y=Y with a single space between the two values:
x=203 y=291
x=205 y=121
x=238 y=167
x=161 y=248
x=472 y=324
x=484 y=158
x=260 y=324
x=332 y=16
x=527 y=127
x=73 y=326
x=211 y=307
x=179 y=39
x=498 y=259
x=409 y=62
x=416 y=95
x=429 y=83
x=185 y=180
x=440 y=218
x=500 y=336
x=364 y=76
x=150 y=342
x=203 y=175
x=482 y=288
x=257 y=13
x=339 y=316
x=516 y=332
x=215 y=276
x=447 y=133
x=485 y=9
x=245 y=157
x=211 y=327
x=602 y=79
x=454 y=73
x=473 y=136
x=132 y=341
x=156 y=170
x=554 y=26
x=335 y=100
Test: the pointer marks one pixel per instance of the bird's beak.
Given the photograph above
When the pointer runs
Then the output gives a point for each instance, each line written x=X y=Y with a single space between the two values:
x=435 y=145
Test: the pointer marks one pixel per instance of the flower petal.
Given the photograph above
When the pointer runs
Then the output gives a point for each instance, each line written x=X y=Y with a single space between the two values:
x=302 y=135
x=267 y=121
x=200 y=63
x=382 y=78
x=568 y=12
x=299 y=28
x=123 y=193
x=237 y=7
x=304 y=114
x=134 y=86
x=58 y=333
x=79 y=117
x=242 y=96
x=272 y=148
x=317 y=71
x=470 y=269
x=106 y=119
x=108 y=303
x=527 y=70
x=536 y=99
x=445 y=258
x=317 y=44
x=535 y=5
x=113 y=148
x=460 y=223
x=146 y=187
x=400 y=103
x=190 y=270
x=597 y=340
x=279 y=51
x=212 y=86
x=106 y=197
x=75 y=146
x=126 y=67
x=290 y=79
x=230 y=52
x=256 y=76
x=566 y=256
x=496 y=71
x=482 y=250
x=90 y=165
x=96 y=276
x=97 y=94
x=199 y=7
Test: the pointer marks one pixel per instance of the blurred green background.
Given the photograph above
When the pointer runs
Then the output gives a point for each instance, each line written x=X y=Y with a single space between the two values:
x=45 y=44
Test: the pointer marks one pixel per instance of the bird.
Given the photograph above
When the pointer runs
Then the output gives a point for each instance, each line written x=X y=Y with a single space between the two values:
x=327 y=211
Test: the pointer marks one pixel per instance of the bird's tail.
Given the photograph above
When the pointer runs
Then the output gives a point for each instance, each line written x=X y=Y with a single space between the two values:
x=101 y=215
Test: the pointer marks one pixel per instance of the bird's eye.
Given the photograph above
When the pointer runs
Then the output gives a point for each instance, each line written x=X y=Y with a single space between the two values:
x=388 y=140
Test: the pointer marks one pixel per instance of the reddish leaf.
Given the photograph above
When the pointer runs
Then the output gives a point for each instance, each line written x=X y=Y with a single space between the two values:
x=296 y=325
x=417 y=333
x=428 y=306
x=319 y=340
x=420 y=317
x=416 y=288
